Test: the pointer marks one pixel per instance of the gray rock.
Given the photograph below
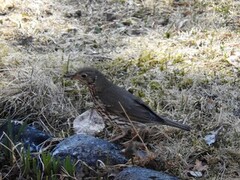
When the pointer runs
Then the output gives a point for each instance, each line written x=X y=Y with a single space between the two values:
x=133 y=173
x=29 y=136
x=89 y=149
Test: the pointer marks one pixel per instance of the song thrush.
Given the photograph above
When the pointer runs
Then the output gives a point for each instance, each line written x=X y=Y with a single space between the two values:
x=108 y=99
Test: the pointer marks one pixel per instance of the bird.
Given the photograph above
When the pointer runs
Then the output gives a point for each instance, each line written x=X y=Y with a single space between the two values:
x=110 y=99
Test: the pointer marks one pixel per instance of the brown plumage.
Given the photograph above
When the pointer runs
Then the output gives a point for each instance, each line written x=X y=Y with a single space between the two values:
x=108 y=97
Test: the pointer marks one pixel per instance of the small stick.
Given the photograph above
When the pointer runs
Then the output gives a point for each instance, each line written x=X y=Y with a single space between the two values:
x=135 y=130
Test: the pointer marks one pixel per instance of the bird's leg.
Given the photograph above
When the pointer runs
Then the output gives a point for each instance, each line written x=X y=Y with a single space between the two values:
x=130 y=141
x=140 y=132
x=124 y=132
x=110 y=123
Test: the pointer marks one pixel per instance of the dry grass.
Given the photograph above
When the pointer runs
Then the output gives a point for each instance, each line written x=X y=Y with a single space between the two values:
x=174 y=54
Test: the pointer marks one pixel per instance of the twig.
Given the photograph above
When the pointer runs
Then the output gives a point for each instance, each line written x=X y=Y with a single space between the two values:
x=135 y=130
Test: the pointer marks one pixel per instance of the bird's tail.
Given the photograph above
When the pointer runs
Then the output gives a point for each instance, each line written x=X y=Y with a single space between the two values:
x=169 y=122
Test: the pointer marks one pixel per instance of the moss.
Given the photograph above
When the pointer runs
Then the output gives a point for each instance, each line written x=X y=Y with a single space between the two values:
x=155 y=85
x=185 y=83
x=145 y=57
x=223 y=8
x=178 y=59
x=119 y=1
x=140 y=93
x=167 y=35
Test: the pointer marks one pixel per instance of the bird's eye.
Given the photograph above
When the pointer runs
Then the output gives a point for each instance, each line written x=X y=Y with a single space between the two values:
x=83 y=75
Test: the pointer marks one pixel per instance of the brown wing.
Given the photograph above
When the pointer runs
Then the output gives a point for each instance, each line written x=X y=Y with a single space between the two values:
x=136 y=109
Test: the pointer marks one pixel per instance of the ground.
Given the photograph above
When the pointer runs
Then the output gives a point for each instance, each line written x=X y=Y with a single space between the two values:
x=181 y=57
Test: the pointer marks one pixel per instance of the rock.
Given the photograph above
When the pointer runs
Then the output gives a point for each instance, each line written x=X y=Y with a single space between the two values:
x=133 y=173
x=29 y=136
x=89 y=122
x=89 y=150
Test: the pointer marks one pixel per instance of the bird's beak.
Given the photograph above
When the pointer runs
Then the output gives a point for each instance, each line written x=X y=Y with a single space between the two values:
x=70 y=75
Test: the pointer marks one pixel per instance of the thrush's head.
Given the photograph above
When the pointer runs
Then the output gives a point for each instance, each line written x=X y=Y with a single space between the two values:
x=90 y=76
x=86 y=76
